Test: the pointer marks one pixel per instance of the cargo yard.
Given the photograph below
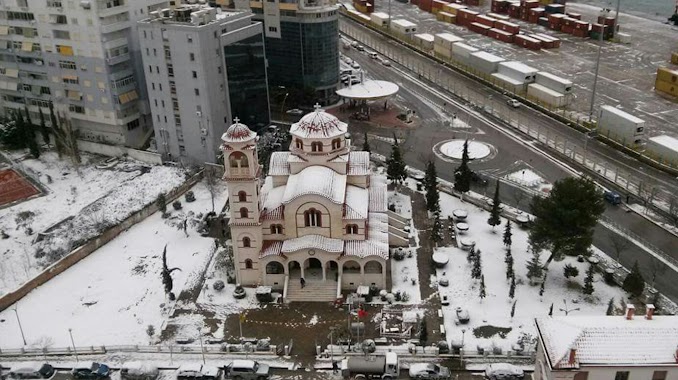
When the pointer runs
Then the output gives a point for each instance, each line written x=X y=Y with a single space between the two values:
x=549 y=42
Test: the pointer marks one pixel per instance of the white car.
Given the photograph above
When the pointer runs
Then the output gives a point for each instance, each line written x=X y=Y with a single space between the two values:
x=428 y=371
x=503 y=371
x=355 y=65
x=294 y=111
x=386 y=62
x=513 y=103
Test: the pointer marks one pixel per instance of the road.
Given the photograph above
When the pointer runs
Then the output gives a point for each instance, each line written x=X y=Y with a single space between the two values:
x=435 y=106
x=632 y=176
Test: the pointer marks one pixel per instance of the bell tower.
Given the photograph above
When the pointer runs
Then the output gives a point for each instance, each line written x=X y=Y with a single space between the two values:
x=241 y=173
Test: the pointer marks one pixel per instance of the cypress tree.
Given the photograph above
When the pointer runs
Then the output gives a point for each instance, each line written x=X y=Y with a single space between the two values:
x=477 y=270
x=366 y=144
x=471 y=254
x=507 y=234
x=462 y=176
x=611 y=310
x=423 y=332
x=437 y=231
x=534 y=267
x=512 y=288
x=634 y=282
x=509 y=264
x=482 y=294
x=513 y=308
x=543 y=283
x=396 y=170
x=432 y=194
x=551 y=310
x=43 y=128
x=58 y=138
x=588 y=281
x=495 y=213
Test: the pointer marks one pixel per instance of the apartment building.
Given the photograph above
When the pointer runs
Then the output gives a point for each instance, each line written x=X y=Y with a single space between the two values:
x=82 y=55
x=203 y=67
x=302 y=38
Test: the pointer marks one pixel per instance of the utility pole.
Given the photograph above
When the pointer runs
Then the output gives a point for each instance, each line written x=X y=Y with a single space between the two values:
x=389 y=15
x=202 y=348
x=616 y=18
x=595 y=78
x=70 y=332
x=16 y=312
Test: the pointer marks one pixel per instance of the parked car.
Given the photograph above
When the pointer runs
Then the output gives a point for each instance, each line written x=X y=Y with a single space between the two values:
x=355 y=65
x=92 y=371
x=513 y=103
x=428 y=371
x=139 y=371
x=247 y=370
x=462 y=315
x=198 y=372
x=30 y=371
x=503 y=371
x=295 y=111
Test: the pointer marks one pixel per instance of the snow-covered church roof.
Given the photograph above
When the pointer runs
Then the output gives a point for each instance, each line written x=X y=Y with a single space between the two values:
x=238 y=132
x=609 y=340
x=316 y=180
x=318 y=124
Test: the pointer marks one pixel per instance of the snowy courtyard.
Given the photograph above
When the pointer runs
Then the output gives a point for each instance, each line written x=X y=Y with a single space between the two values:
x=91 y=196
x=113 y=295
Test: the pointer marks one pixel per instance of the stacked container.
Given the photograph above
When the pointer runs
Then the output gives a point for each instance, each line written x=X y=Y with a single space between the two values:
x=485 y=62
x=424 y=41
x=527 y=42
x=667 y=81
x=466 y=16
x=446 y=17
x=461 y=52
x=443 y=43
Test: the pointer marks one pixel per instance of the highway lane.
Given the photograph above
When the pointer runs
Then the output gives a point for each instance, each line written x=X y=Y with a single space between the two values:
x=514 y=151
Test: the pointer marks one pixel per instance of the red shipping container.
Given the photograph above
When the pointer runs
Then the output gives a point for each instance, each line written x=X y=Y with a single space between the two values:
x=567 y=29
x=499 y=6
x=575 y=16
x=426 y=5
x=475 y=3
x=531 y=4
x=533 y=19
x=581 y=25
x=554 y=26
x=485 y=20
x=556 y=18
x=507 y=26
x=599 y=28
x=606 y=20
x=479 y=28
x=467 y=15
x=537 y=11
x=527 y=42
x=414 y=2
x=580 y=33
x=500 y=35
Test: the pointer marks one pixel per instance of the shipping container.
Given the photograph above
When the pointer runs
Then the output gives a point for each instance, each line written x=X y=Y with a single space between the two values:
x=509 y=84
x=666 y=87
x=609 y=21
x=531 y=4
x=414 y=2
x=424 y=41
x=500 y=35
x=518 y=71
x=556 y=18
x=499 y=17
x=667 y=75
x=453 y=7
x=581 y=33
x=479 y=28
x=664 y=148
x=543 y=21
x=674 y=57
x=446 y=39
x=620 y=126
x=426 y=5
x=461 y=52
x=554 y=82
x=507 y=27
x=485 y=62
x=475 y=3
x=485 y=20
x=546 y=95
x=555 y=9
x=576 y=16
x=403 y=27
x=379 y=19
x=527 y=42
x=499 y=6
x=446 y=17
x=547 y=42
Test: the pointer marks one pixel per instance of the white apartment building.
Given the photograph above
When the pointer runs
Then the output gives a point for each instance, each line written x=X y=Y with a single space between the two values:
x=203 y=67
x=83 y=56
x=643 y=347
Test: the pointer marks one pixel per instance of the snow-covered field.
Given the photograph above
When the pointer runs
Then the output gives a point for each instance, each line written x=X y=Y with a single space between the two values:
x=404 y=272
x=93 y=197
x=495 y=310
x=113 y=295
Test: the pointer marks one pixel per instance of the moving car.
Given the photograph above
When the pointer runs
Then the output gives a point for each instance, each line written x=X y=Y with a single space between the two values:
x=247 y=370
x=513 y=103
x=503 y=371
x=386 y=62
x=30 y=371
x=92 y=371
x=373 y=55
x=428 y=371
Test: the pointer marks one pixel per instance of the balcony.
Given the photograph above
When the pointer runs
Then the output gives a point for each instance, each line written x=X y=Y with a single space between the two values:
x=104 y=11
x=118 y=59
x=115 y=27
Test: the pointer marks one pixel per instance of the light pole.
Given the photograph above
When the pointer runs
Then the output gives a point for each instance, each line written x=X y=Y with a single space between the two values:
x=595 y=78
x=16 y=312
x=282 y=107
x=70 y=332
x=461 y=350
x=566 y=310
x=202 y=349
x=616 y=18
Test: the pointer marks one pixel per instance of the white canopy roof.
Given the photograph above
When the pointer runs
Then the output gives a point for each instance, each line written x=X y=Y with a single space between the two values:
x=369 y=89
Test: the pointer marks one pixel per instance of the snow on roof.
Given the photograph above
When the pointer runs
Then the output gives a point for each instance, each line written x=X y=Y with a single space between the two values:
x=404 y=23
x=340 y=158
x=519 y=67
x=488 y=57
x=279 y=165
x=377 y=239
x=425 y=36
x=271 y=248
x=507 y=79
x=271 y=201
x=609 y=340
x=666 y=141
x=318 y=124
x=448 y=37
x=547 y=90
x=463 y=46
x=27 y=366
x=622 y=114
x=313 y=242
x=377 y=192
x=240 y=363
x=380 y=15
x=369 y=89
x=238 y=132
x=555 y=78
x=190 y=367
x=357 y=201
x=359 y=163
x=316 y=180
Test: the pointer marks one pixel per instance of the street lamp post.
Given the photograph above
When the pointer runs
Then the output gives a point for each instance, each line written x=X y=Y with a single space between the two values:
x=70 y=332
x=202 y=348
x=595 y=78
x=16 y=312
x=616 y=18
x=461 y=350
x=282 y=107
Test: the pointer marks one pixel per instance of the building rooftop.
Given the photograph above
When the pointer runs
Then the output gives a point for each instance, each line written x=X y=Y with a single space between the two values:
x=189 y=15
x=318 y=124
x=609 y=340
x=316 y=180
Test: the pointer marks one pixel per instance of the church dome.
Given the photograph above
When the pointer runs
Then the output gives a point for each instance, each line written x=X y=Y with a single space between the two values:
x=238 y=132
x=318 y=124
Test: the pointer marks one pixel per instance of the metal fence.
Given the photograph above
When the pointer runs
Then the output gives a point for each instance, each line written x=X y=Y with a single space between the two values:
x=653 y=194
x=143 y=349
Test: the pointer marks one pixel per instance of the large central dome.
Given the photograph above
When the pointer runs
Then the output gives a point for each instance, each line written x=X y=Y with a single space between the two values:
x=318 y=124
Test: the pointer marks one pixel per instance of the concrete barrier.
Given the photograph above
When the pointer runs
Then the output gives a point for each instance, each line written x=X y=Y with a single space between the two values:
x=119 y=151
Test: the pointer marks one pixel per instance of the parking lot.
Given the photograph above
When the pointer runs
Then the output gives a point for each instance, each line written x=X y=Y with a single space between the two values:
x=627 y=71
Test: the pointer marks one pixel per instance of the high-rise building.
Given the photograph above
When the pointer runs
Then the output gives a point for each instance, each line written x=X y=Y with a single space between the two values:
x=302 y=39
x=84 y=57
x=204 y=67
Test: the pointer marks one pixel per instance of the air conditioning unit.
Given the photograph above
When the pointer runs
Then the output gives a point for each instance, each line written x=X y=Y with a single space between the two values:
x=198 y=113
x=203 y=131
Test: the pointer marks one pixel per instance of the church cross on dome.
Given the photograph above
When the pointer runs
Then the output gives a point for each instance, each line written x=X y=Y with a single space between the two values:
x=317 y=107
x=236 y=120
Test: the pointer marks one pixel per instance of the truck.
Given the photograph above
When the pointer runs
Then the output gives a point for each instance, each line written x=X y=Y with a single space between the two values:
x=384 y=367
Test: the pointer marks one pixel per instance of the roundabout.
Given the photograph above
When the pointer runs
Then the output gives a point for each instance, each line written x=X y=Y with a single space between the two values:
x=452 y=150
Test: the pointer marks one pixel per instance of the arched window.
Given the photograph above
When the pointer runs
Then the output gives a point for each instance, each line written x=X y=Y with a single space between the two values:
x=276 y=229
x=351 y=229
x=244 y=213
x=336 y=144
x=299 y=144
x=238 y=160
x=248 y=264
x=242 y=196
x=313 y=218
x=246 y=242
x=316 y=146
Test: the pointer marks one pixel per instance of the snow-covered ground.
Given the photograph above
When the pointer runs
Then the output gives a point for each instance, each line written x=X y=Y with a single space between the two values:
x=495 y=309
x=113 y=295
x=405 y=273
x=529 y=178
x=93 y=197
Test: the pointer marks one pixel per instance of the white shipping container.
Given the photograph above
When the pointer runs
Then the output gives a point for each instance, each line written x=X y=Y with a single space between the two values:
x=461 y=52
x=554 y=82
x=424 y=40
x=518 y=71
x=664 y=148
x=484 y=62
x=546 y=95
x=447 y=39
x=403 y=26
x=379 y=18
x=509 y=83
x=621 y=126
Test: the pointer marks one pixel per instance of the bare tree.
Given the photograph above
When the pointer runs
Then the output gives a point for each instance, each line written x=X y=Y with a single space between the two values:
x=648 y=193
x=44 y=343
x=212 y=181
x=619 y=244
x=657 y=268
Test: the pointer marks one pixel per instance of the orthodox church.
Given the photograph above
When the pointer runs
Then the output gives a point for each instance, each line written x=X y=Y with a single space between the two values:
x=320 y=215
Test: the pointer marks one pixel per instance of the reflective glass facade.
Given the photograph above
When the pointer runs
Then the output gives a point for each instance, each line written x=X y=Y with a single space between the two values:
x=247 y=86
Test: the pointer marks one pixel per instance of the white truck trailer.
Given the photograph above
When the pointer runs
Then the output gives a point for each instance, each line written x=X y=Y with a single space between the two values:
x=384 y=367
